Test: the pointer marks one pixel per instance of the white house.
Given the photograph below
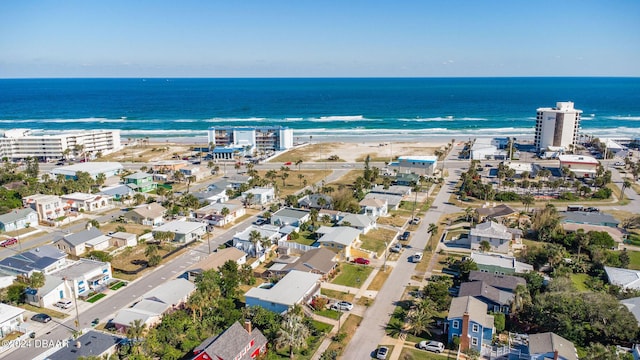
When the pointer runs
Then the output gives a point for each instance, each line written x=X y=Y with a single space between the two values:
x=18 y=219
x=625 y=278
x=48 y=207
x=497 y=235
x=148 y=214
x=213 y=195
x=122 y=239
x=79 y=243
x=290 y=216
x=268 y=235
x=11 y=318
x=259 y=196
x=87 y=202
x=338 y=238
x=53 y=290
x=297 y=287
x=362 y=222
x=214 y=215
x=581 y=165
x=84 y=276
x=184 y=231
x=423 y=165
x=374 y=207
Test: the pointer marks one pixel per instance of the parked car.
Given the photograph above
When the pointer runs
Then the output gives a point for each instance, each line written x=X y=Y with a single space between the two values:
x=42 y=318
x=64 y=304
x=415 y=221
x=619 y=163
x=434 y=346
x=260 y=221
x=9 y=242
x=417 y=257
x=592 y=209
x=381 y=353
x=405 y=236
x=288 y=163
x=342 y=305
x=362 y=261
x=396 y=248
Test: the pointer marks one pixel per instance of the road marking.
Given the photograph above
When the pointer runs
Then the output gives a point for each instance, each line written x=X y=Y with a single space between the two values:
x=163 y=278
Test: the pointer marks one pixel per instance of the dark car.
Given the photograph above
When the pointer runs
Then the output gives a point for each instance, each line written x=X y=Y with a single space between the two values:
x=361 y=261
x=405 y=235
x=42 y=318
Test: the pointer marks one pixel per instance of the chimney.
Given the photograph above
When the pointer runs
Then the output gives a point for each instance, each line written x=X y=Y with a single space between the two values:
x=464 y=337
x=78 y=344
x=247 y=326
x=555 y=355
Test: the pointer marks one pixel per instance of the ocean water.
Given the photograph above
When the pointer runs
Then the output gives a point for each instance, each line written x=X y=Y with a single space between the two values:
x=321 y=108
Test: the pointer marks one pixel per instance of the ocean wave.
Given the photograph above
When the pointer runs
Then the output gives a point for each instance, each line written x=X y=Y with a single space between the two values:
x=249 y=119
x=443 y=118
x=620 y=117
x=185 y=120
x=339 y=118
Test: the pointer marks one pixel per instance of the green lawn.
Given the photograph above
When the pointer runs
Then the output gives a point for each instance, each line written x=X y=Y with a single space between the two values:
x=340 y=295
x=352 y=275
x=118 y=285
x=96 y=298
x=375 y=240
x=416 y=354
x=634 y=257
x=331 y=314
x=578 y=281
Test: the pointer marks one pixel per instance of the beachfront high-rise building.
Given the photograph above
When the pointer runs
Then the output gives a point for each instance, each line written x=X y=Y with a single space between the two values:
x=19 y=144
x=557 y=127
x=261 y=138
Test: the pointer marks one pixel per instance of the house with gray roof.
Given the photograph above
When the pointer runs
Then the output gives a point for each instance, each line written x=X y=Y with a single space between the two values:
x=18 y=219
x=151 y=214
x=212 y=196
x=268 y=235
x=625 y=278
x=588 y=218
x=94 y=169
x=551 y=346
x=373 y=207
x=497 y=235
x=362 y=222
x=400 y=190
x=297 y=287
x=495 y=212
x=86 y=240
x=216 y=260
x=50 y=293
x=468 y=320
x=633 y=305
x=10 y=318
x=212 y=214
x=184 y=231
x=312 y=201
x=85 y=276
x=235 y=343
x=393 y=201
x=45 y=259
x=338 y=238
x=90 y=344
x=290 y=216
x=497 y=300
x=502 y=282
x=318 y=261
x=499 y=264
x=117 y=192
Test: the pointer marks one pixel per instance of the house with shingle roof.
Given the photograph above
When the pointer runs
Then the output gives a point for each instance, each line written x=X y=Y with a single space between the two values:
x=495 y=212
x=18 y=219
x=297 y=287
x=87 y=202
x=45 y=259
x=86 y=240
x=499 y=264
x=373 y=207
x=151 y=214
x=497 y=300
x=141 y=182
x=362 y=222
x=338 y=238
x=235 y=343
x=551 y=346
x=633 y=304
x=216 y=260
x=92 y=344
x=312 y=201
x=502 y=282
x=468 y=320
x=290 y=216
x=625 y=278
x=393 y=201
x=588 y=218
x=184 y=232
x=318 y=261
x=212 y=213
x=497 y=235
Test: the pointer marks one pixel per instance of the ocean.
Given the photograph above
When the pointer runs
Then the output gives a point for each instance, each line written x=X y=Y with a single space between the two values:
x=322 y=109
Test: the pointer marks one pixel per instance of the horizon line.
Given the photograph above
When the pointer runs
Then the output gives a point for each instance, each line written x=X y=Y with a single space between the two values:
x=323 y=77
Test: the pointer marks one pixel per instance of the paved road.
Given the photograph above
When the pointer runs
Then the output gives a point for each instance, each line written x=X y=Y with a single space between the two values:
x=371 y=330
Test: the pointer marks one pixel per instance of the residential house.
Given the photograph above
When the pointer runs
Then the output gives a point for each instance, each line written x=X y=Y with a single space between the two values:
x=582 y=166
x=259 y=196
x=633 y=304
x=297 y=287
x=407 y=179
x=165 y=298
x=194 y=171
x=151 y=214
x=212 y=214
x=92 y=344
x=399 y=190
x=496 y=300
x=84 y=276
x=424 y=165
x=11 y=318
x=45 y=259
x=331 y=215
x=117 y=192
x=551 y=346
x=235 y=343
x=83 y=202
x=48 y=207
x=123 y=239
x=86 y=240
x=499 y=264
x=184 y=231
x=318 y=261
x=625 y=278
x=316 y=201
x=268 y=235
x=362 y=222
x=373 y=207
x=290 y=216
x=18 y=219
x=237 y=180
x=338 y=238
x=51 y=292
x=588 y=218
x=216 y=260
x=468 y=320
x=393 y=201
x=497 y=235
x=496 y=212
x=501 y=282
x=93 y=168
x=617 y=234
x=214 y=195
x=140 y=182
x=168 y=166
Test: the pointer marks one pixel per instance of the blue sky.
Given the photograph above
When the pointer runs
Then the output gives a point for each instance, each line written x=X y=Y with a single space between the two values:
x=261 y=38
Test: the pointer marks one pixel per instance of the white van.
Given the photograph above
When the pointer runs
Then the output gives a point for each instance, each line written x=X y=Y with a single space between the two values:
x=64 y=303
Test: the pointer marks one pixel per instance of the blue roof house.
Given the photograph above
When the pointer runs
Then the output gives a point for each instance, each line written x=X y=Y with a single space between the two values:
x=469 y=321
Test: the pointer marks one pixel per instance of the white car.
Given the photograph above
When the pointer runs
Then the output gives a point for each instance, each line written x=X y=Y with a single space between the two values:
x=342 y=305
x=64 y=304
x=417 y=257
x=382 y=352
x=434 y=346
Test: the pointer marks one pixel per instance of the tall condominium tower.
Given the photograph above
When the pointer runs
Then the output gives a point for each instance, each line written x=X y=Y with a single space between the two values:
x=557 y=126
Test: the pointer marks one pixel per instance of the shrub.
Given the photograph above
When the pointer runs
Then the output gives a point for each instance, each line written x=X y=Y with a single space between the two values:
x=568 y=196
x=603 y=193
x=507 y=196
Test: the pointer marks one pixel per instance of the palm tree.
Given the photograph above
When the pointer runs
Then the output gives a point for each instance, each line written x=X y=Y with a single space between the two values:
x=196 y=303
x=432 y=230
x=468 y=212
x=248 y=198
x=527 y=200
x=293 y=332
x=225 y=211
x=136 y=330
x=582 y=239
x=254 y=238
x=625 y=185
x=421 y=316
x=485 y=246
x=300 y=176
x=298 y=163
x=521 y=297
